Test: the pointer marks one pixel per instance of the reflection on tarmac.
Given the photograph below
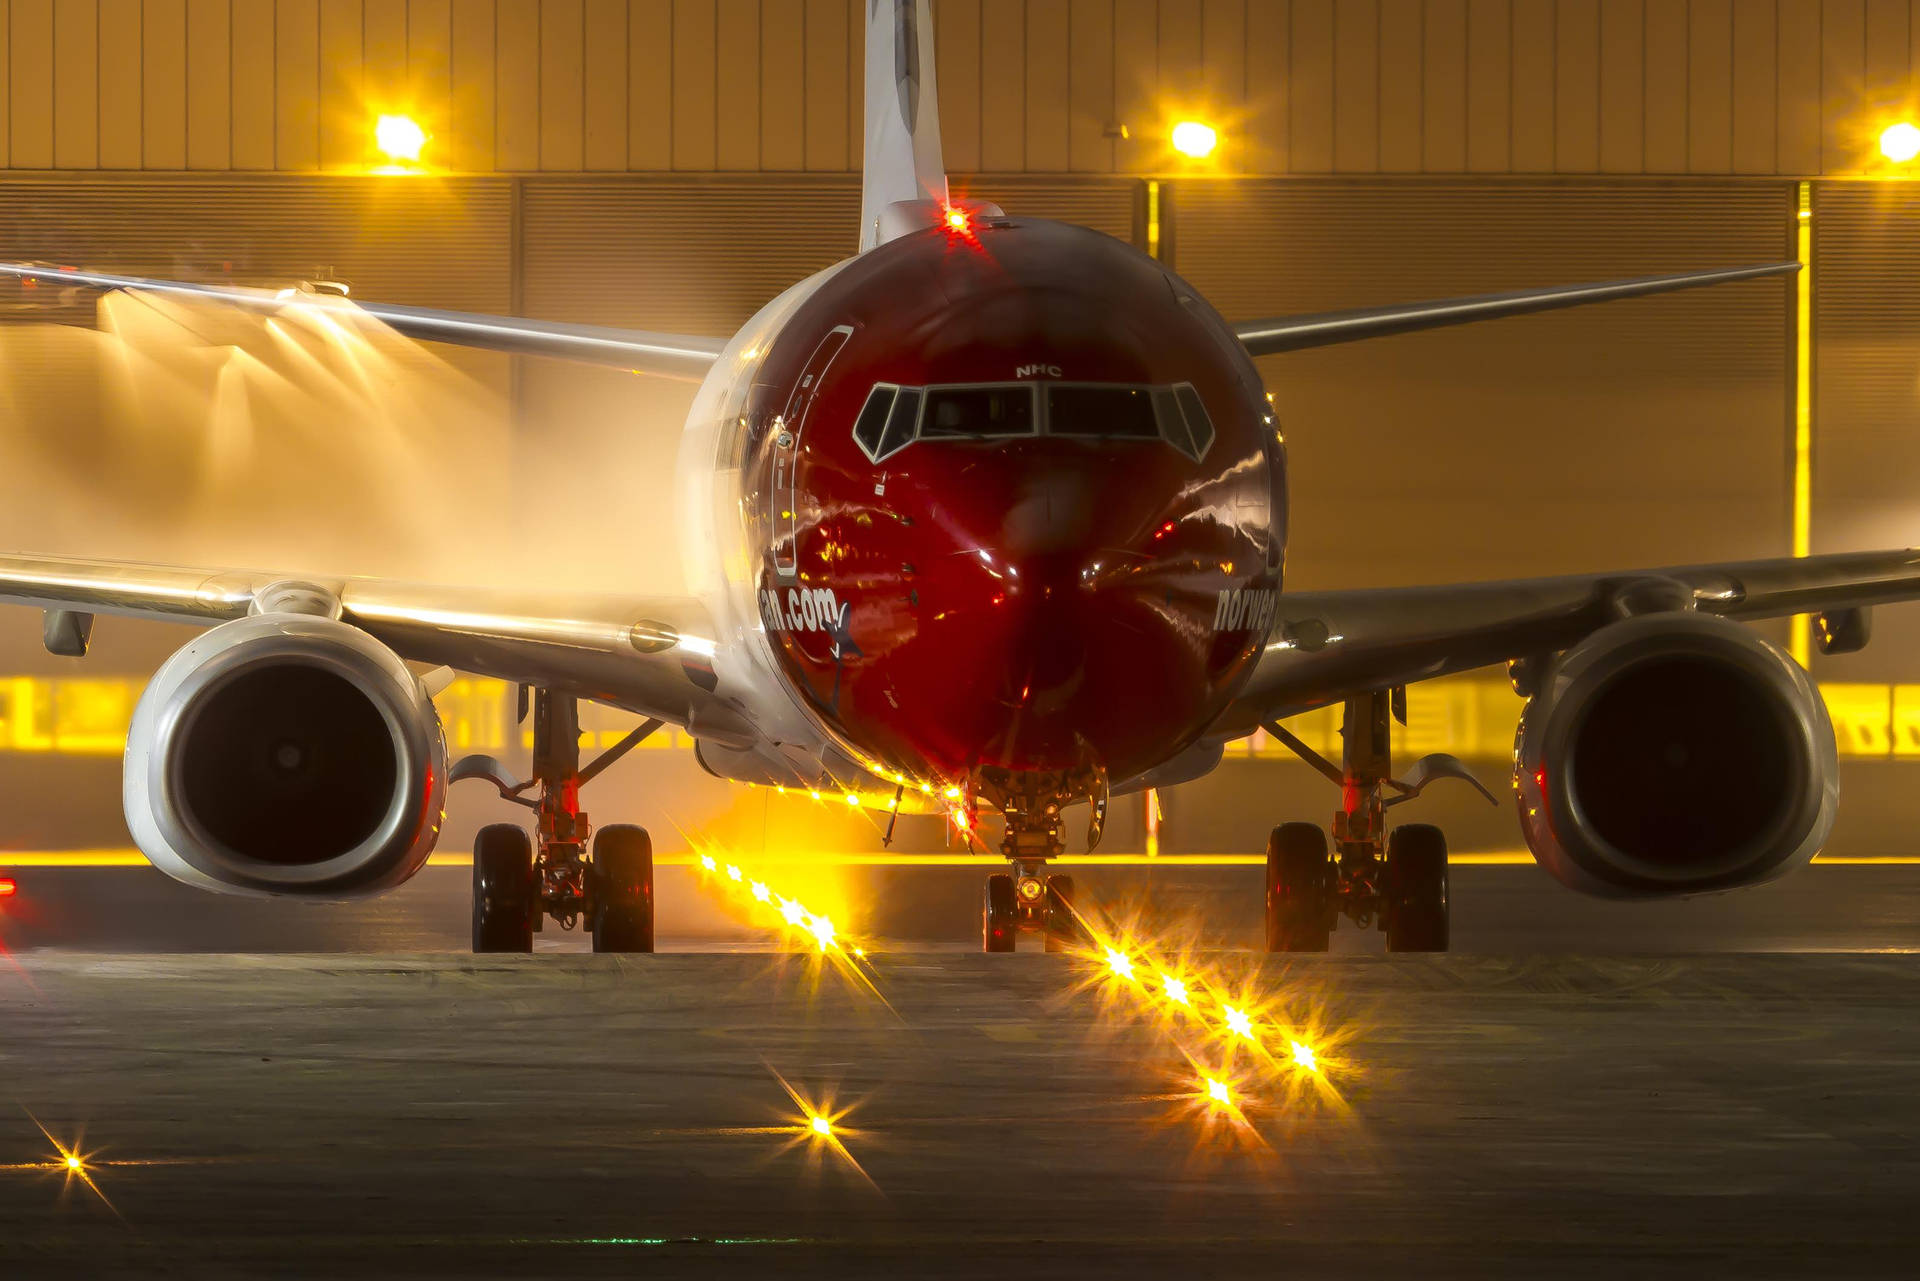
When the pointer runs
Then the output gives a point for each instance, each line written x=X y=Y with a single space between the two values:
x=1501 y=909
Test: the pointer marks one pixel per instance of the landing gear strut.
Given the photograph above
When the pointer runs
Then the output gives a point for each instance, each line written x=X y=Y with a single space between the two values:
x=1397 y=883
x=518 y=883
x=1027 y=899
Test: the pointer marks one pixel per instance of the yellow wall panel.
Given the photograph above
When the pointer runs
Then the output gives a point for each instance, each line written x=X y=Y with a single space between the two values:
x=1136 y=85
x=1797 y=141
x=470 y=77
x=119 y=118
x=1223 y=76
x=650 y=84
x=346 y=104
x=737 y=51
x=1443 y=144
x=1622 y=86
x=1402 y=93
x=1090 y=86
x=856 y=82
x=254 y=64
x=163 y=84
x=693 y=84
x=429 y=72
x=604 y=122
x=1846 y=134
x=296 y=84
x=516 y=59
x=6 y=106
x=76 y=85
x=1310 y=109
x=209 y=84
x=1179 y=56
x=1269 y=55
x=783 y=87
x=1710 y=87
x=562 y=57
x=1887 y=82
x=1533 y=66
x=826 y=88
x=386 y=51
x=1003 y=86
x=957 y=59
x=1356 y=86
x=30 y=83
x=1049 y=43
x=1489 y=85
x=1755 y=73
x=1666 y=95
x=1576 y=94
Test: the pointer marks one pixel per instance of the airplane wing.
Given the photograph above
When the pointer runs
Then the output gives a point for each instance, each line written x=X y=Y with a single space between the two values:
x=652 y=655
x=672 y=355
x=1324 y=646
x=1323 y=329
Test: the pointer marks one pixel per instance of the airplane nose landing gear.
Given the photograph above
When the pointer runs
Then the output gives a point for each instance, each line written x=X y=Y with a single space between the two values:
x=1398 y=882
x=1027 y=899
x=518 y=883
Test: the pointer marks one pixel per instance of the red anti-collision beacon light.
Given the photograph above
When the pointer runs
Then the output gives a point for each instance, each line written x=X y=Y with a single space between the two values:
x=959 y=222
x=8 y=887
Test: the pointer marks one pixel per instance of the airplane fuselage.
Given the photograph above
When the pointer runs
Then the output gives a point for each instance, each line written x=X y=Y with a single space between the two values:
x=1007 y=497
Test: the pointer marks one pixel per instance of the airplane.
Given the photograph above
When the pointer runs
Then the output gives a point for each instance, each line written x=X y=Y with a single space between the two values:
x=991 y=514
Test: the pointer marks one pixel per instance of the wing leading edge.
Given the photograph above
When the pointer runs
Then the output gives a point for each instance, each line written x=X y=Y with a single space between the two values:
x=671 y=355
x=1323 y=329
x=652 y=655
x=1326 y=645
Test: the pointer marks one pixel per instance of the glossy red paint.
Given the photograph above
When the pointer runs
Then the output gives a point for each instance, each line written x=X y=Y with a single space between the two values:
x=1034 y=603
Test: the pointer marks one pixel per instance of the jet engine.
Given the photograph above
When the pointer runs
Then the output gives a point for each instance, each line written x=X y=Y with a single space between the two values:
x=1674 y=753
x=286 y=753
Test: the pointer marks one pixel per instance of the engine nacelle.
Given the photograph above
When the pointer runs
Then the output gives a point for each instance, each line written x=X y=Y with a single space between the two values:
x=286 y=754
x=1674 y=753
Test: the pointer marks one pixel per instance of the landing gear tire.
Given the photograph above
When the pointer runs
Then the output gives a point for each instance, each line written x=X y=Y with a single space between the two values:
x=1299 y=889
x=1416 y=889
x=504 y=902
x=999 y=915
x=1062 y=926
x=623 y=889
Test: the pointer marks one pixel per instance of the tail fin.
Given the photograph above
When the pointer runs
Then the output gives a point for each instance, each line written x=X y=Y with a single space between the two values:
x=903 y=116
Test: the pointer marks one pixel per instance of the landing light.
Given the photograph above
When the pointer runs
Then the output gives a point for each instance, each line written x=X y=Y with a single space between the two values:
x=1192 y=138
x=399 y=138
x=1304 y=1057
x=1218 y=1092
x=822 y=1127
x=1900 y=143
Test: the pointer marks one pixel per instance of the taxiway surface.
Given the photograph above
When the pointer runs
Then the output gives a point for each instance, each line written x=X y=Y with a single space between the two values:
x=572 y=1116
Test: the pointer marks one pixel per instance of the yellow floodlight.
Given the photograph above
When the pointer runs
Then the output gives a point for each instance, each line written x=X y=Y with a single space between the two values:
x=1195 y=139
x=1900 y=143
x=399 y=138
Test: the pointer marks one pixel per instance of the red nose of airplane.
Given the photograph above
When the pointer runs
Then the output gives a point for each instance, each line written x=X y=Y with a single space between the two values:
x=1060 y=602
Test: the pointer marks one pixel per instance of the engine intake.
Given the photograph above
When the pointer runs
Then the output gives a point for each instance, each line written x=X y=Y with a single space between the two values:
x=1674 y=753
x=285 y=754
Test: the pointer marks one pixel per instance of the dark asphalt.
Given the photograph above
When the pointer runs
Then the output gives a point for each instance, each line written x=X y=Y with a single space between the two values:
x=582 y=1116
x=1496 y=911
x=1529 y=1107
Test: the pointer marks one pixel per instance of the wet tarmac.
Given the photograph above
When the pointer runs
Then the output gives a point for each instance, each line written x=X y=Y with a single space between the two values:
x=562 y=1115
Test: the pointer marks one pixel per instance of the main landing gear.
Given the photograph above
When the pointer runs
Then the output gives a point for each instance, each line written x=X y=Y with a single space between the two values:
x=519 y=881
x=1396 y=881
x=1027 y=899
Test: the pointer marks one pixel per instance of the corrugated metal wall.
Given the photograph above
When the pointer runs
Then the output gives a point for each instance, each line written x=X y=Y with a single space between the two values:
x=1646 y=433
x=1794 y=87
x=1866 y=463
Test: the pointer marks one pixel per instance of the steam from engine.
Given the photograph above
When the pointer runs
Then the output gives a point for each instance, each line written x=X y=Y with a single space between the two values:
x=1674 y=753
x=286 y=754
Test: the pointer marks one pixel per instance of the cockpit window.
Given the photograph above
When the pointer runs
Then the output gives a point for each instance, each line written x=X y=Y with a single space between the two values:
x=894 y=417
x=1123 y=412
x=872 y=423
x=979 y=411
x=1198 y=424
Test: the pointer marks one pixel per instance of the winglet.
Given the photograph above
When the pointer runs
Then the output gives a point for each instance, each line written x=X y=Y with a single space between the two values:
x=903 y=162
